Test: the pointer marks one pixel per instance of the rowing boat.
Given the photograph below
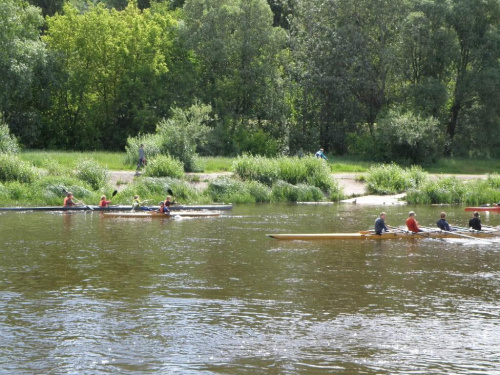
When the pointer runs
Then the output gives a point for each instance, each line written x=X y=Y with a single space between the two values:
x=483 y=208
x=367 y=235
x=217 y=207
x=159 y=215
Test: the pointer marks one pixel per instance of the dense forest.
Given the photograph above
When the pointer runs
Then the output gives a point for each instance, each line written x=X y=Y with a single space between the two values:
x=387 y=79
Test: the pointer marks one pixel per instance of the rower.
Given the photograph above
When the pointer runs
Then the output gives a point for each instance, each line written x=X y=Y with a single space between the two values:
x=380 y=224
x=412 y=224
x=475 y=222
x=443 y=224
x=136 y=203
x=104 y=202
x=68 y=201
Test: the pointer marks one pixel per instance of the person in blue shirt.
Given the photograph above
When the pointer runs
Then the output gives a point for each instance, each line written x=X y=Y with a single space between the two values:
x=443 y=224
x=320 y=154
x=380 y=224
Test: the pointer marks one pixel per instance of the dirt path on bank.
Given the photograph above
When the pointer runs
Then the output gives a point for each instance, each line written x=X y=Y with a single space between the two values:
x=349 y=182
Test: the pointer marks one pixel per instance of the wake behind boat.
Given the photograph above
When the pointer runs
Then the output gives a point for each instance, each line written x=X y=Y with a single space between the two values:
x=158 y=215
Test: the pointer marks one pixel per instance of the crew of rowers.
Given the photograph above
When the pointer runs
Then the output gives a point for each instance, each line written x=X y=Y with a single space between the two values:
x=412 y=223
x=70 y=201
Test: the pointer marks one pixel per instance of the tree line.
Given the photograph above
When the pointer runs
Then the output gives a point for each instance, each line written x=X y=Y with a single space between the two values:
x=389 y=79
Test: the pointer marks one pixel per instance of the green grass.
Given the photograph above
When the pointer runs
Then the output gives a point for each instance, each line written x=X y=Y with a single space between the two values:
x=216 y=164
x=113 y=161
x=464 y=166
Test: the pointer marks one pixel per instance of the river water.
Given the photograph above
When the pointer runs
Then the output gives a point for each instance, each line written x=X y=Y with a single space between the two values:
x=84 y=294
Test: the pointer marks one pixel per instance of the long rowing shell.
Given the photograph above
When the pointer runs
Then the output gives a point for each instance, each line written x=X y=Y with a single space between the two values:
x=218 y=207
x=485 y=208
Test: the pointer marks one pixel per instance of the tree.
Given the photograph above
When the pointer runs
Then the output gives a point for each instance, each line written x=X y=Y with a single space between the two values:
x=112 y=64
x=238 y=53
x=23 y=61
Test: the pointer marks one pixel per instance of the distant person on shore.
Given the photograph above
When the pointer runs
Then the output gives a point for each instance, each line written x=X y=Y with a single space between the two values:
x=443 y=224
x=104 y=202
x=142 y=159
x=380 y=224
x=319 y=154
x=68 y=201
x=412 y=224
x=475 y=222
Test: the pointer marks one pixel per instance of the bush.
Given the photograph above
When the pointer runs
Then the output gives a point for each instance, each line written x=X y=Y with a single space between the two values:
x=89 y=171
x=14 y=169
x=152 y=147
x=257 y=168
x=164 y=166
x=408 y=136
x=387 y=179
x=8 y=143
x=294 y=170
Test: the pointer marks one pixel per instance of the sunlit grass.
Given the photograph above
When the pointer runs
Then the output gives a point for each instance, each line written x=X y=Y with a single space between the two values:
x=111 y=160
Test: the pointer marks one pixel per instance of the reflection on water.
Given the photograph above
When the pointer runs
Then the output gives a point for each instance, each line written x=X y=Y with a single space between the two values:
x=84 y=294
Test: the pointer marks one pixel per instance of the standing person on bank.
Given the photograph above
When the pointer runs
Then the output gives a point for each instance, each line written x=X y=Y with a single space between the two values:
x=320 y=154
x=380 y=224
x=142 y=158
x=412 y=224
x=475 y=222
x=443 y=224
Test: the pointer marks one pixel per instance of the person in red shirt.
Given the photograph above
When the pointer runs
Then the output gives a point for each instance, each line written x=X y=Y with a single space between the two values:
x=104 y=202
x=412 y=224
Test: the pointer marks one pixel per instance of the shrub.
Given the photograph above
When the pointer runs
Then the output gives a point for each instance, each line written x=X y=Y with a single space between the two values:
x=8 y=143
x=152 y=147
x=89 y=171
x=164 y=166
x=408 y=136
x=14 y=169
x=257 y=168
x=387 y=179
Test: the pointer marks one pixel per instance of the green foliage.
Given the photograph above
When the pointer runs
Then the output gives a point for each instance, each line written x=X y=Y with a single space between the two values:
x=14 y=169
x=8 y=143
x=392 y=179
x=285 y=192
x=156 y=190
x=164 y=166
x=177 y=136
x=294 y=170
x=409 y=137
x=183 y=131
x=89 y=171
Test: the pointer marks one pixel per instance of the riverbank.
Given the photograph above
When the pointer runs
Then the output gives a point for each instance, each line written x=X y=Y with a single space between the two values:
x=354 y=188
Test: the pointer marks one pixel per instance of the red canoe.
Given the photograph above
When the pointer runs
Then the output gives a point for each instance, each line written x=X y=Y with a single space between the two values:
x=485 y=208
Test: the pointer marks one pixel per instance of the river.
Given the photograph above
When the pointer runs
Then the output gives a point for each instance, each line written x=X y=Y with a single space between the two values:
x=85 y=294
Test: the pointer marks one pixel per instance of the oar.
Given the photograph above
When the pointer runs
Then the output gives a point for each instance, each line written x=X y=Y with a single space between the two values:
x=465 y=236
x=77 y=200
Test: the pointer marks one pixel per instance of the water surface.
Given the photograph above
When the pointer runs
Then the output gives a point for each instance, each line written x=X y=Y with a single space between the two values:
x=83 y=294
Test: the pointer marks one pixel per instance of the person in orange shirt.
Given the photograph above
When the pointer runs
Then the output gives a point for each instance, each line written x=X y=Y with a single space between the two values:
x=412 y=224
x=69 y=200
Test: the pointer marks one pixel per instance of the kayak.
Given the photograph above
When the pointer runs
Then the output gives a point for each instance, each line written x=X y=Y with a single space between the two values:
x=160 y=215
x=218 y=207
x=367 y=235
x=483 y=208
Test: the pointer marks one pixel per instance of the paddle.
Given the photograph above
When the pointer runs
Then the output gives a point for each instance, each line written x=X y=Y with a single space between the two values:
x=77 y=200
x=465 y=236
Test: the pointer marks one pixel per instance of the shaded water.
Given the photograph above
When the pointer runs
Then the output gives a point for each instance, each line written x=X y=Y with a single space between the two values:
x=83 y=294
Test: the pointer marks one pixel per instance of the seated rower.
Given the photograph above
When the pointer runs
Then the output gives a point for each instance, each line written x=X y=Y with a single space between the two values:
x=380 y=224
x=443 y=224
x=104 y=202
x=136 y=203
x=163 y=209
x=475 y=222
x=68 y=201
x=412 y=224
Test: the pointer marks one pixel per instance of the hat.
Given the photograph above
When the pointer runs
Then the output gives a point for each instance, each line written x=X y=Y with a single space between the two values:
x=411 y=213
